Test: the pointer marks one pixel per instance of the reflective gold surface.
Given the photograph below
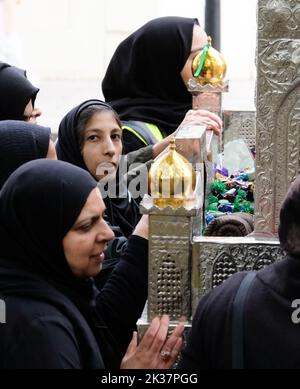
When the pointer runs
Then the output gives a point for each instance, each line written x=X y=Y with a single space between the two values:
x=172 y=179
x=214 y=67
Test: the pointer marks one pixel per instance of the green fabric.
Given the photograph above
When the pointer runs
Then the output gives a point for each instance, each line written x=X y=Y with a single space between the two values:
x=142 y=155
x=203 y=58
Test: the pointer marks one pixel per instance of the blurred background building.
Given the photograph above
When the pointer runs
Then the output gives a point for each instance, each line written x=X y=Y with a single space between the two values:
x=66 y=45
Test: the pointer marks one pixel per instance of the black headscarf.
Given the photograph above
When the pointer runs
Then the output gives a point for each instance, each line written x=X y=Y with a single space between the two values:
x=39 y=204
x=15 y=92
x=143 y=80
x=20 y=142
x=68 y=143
x=120 y=212
x=289 y=226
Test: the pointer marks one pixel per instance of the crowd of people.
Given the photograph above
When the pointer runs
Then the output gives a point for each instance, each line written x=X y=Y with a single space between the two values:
x=74 y=260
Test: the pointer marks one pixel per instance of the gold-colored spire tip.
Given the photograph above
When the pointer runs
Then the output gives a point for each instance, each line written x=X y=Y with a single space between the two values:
x=172 y=179
x=213 y=66
x=172 y=144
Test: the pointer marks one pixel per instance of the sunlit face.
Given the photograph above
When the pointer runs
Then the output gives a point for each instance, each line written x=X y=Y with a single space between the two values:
x=198 y=42
x=102 y=147
x=31 y=114
x=86 y=241
x=51 y=151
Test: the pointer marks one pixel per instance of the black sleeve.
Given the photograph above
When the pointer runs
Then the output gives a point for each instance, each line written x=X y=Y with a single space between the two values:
x=209 y=343
x=116 y=247
x=46 y=343
x=122 y=299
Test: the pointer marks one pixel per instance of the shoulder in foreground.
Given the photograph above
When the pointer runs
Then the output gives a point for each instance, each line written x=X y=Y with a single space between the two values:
x=219 y=297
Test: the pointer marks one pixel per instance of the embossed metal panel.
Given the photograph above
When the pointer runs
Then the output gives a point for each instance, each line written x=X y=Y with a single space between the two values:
x=239 y=125
x=215 y=259
x=169 y=267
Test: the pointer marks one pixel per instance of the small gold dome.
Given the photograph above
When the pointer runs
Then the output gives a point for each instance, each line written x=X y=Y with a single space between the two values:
x=209 y=66
x=172 y=179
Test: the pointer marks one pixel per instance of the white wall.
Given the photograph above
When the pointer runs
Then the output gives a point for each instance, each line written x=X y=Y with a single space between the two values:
x=66 y=44
x=62 y=39
x=69 y=39
x=239 y=37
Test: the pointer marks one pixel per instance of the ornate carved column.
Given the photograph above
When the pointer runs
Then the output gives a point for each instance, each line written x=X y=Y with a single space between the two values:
x=278 y=108
x=173 y=225
x=171 y=234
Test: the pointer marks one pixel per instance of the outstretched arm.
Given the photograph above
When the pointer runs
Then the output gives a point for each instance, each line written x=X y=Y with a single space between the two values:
x=199 y=117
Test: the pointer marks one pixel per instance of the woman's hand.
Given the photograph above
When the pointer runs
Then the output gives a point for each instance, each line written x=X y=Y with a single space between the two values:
x=194 y=117
x=155 y=351
x=201 y=117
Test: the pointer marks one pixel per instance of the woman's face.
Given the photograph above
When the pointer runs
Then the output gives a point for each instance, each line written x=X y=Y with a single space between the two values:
x=199 y=41
x=31 y=114
x=51 y=151
x=86 y=241
x=102 y=147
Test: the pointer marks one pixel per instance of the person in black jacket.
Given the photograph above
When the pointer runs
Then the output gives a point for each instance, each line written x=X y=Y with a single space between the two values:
x=146 y=80
x=52 y=237
x=17 y=95
x=252 y=319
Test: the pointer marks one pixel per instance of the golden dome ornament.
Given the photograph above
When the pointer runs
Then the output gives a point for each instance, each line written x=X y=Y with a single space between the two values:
x=209 y=66
x=172 y=179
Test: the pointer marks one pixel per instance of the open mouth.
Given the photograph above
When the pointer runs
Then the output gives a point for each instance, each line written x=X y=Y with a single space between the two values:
x=98 y=257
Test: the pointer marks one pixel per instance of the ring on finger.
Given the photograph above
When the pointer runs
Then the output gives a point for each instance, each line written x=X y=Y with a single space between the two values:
x=165 y=355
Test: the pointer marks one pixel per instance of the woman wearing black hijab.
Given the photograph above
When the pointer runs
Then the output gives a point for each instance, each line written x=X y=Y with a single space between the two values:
x=17 y=95
x=262 y=332
x=146 y=80
x=122 y=212
x=90 y=135
x=52 y=238
x=22 y=142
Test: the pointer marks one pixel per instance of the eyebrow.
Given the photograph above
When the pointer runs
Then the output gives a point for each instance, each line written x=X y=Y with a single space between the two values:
x=101 y=130
x=87 y=219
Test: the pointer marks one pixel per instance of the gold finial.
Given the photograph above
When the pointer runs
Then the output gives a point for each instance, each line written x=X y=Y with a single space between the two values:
x=172 y=144
x=172 y=179
x=209 y=66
